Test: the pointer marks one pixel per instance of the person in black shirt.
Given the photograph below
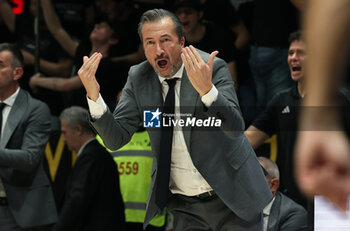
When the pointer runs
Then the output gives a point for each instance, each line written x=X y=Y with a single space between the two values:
x=280 y=116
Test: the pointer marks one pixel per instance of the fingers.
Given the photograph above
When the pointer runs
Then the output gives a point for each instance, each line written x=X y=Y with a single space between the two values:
x=90 y=65
x=87 y=75
x=198 y=72
x=211 y=59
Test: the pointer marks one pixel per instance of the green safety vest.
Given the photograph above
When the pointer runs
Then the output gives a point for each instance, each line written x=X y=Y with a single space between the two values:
x=134 y=161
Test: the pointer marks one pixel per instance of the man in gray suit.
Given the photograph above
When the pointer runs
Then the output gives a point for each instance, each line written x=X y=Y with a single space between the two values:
x=215 y=180
x=26 y=199
x=282 y=213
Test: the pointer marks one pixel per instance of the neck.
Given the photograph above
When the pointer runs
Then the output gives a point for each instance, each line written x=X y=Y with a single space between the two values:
x=101 y=48
x=83 y=139
x=5 y=93
x=301 y=88
x=196 y=34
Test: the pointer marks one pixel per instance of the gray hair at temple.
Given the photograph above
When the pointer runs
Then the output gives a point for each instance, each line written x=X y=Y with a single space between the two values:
x=157 y=15
x=75 y=116
x=17 y=57
x=270 y=167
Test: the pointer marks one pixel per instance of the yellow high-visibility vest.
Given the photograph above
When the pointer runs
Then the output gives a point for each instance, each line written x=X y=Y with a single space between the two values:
x=134 y=161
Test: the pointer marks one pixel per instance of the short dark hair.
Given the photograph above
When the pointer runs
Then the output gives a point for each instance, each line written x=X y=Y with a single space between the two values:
x=17 y=57
x=75 y=116
x=157 y=15
x=295 y=36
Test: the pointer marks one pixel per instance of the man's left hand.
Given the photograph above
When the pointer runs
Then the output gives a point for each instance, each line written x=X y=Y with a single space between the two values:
x=199 y=72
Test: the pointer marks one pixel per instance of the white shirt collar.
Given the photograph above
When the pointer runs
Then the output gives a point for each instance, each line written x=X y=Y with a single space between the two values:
x=178 y=74
x=267 y=209
x=11 y=100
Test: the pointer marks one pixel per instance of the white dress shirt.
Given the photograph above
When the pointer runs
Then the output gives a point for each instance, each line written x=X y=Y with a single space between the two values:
x=266 y=213
x=184 y=177
x=5 y=113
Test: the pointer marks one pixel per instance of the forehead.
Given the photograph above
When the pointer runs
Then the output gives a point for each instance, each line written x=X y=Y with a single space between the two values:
x=163 y=27
x=297 y=44
x=5 y=56
x=64 y=124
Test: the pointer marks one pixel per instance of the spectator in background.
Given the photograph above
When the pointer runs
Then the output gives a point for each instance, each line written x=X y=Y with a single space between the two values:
x=281 y=213
x=224 y=14
x=53 y=60
x=102 y=38
x=76 y=17
x=26 y=199
x=129 y=49
x=93 y=200
x=280 y=116
x=230 y=18
x=206 y=36
x=273 y=21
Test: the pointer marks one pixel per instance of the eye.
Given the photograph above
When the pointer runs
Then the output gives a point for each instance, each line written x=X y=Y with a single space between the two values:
x=149 y=42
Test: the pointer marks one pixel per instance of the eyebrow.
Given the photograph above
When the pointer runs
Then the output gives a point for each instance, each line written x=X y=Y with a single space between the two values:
x=162 y=36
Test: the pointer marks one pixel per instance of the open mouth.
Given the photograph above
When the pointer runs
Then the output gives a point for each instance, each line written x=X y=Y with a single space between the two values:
x=296 y=68
x=162 y=63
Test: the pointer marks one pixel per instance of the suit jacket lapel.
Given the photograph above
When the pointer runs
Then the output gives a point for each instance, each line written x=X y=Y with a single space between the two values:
x=188 y=100
x=151 y=98
x=14 y=117
x=272 y=223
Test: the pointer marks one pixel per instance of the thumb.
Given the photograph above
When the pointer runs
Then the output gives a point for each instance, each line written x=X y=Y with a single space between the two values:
x=211 y=59
x=85 y=58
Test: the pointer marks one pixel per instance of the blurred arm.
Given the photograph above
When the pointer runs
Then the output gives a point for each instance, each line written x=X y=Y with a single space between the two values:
x=53 y=23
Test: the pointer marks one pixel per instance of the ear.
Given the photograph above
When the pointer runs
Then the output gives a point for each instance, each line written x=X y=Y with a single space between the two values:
x=79 y=129
x=17 y=73
x=275 y=184
x=182 y=41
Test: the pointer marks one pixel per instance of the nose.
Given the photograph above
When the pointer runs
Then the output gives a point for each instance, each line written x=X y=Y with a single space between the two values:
x=160 y=50
x=294 y=56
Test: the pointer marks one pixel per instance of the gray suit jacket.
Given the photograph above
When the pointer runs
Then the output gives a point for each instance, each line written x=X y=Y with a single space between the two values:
x=27 y=186
x=286 y=215
x=222 y=155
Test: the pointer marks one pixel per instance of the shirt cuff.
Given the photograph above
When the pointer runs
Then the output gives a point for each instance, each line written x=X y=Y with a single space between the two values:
x=98 y=108
x=209 y=98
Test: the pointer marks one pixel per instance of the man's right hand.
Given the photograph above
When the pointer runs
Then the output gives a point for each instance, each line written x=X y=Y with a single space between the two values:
x=87 y=75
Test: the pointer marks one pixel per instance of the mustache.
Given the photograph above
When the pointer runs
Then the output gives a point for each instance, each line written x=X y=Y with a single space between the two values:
x=161 y=57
